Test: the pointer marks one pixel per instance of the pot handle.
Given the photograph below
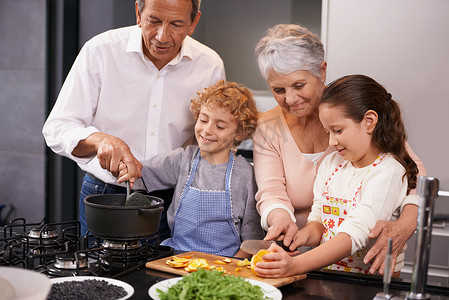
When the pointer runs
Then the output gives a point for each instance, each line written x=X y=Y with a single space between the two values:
x=150 y=210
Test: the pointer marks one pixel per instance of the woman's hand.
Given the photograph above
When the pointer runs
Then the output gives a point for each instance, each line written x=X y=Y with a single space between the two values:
x=279 y=264
x=282 y=228
x=399 y=230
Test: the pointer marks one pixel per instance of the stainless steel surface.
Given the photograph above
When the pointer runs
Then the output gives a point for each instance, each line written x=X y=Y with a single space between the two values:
x=382 y=296
x=387 y=270
x=443 y=193
x=121 y=245
x=387 y=274
x=37 y=233
x=70 y=262
x=427 y=192
x=253 y=246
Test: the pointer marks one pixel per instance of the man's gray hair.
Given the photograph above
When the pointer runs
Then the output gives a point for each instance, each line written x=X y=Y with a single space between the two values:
x=287 y=48
x=195 y=7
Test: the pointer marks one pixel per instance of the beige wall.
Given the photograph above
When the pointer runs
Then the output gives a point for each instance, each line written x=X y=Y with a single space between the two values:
x=233 y=28
x=404 y=45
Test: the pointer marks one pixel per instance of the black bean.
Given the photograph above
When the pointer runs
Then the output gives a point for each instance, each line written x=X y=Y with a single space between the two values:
x=87 y=289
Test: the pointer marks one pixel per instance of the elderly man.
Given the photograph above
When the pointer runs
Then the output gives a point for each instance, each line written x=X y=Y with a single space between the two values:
x=128 y=93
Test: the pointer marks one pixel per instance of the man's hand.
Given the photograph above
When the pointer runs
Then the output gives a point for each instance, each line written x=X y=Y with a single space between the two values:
x=400 y=231
x=110 y=151
x=282 y=227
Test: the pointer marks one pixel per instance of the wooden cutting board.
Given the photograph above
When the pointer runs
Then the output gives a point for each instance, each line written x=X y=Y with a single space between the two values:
x=230 y=268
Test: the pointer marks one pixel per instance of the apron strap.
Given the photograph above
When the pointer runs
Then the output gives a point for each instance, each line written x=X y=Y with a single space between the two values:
x=229 y=169
x=377 y=161
x=195 y=161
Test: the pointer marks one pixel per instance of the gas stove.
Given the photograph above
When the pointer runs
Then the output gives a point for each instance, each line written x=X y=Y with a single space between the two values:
x=58 y=250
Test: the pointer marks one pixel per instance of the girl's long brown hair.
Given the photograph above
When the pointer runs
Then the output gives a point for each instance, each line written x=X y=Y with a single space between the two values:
x=359 y=93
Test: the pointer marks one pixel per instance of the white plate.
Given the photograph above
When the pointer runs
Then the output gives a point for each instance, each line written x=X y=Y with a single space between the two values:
x=27 y=284
x=128 y=288
x=269 y=291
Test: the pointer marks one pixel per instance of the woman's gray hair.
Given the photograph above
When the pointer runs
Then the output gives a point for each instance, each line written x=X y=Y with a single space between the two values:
x=287 y=48
x=195 y=7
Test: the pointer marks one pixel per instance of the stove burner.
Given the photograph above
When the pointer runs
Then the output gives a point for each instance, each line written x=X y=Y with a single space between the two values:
x=69 y=261
x=13 y=252
x=69 y=264
x=44 y=249
x=56 y=272
x=46 y=233
x=121 y=245
x=55 y=250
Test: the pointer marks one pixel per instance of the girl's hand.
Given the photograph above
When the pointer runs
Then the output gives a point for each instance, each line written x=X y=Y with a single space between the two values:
x=279 y=264
x=301 y=238
x=309 y=235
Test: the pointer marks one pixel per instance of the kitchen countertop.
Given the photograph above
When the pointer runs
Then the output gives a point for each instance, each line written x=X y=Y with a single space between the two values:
x=317 y=285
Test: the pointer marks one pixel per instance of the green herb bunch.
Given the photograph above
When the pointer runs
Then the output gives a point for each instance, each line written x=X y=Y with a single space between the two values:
x=212 y=285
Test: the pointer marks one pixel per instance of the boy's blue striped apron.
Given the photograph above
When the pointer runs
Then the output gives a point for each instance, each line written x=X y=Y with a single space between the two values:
x=203 y=220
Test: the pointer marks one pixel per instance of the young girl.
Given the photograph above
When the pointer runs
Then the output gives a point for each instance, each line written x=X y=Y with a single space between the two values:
x=213 y=208
x=365 y=180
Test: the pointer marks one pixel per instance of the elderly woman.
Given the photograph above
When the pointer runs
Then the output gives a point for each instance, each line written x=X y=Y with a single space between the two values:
x=290 y=142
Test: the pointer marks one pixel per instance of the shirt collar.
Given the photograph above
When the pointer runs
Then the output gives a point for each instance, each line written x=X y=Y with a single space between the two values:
x=135 y=41
x=186 y=50
x=135 y=45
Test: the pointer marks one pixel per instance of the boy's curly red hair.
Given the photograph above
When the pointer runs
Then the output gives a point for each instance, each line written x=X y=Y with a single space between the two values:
x=235 y=98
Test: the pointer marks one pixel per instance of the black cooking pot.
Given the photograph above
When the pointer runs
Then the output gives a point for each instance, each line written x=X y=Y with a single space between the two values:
x=108 y=217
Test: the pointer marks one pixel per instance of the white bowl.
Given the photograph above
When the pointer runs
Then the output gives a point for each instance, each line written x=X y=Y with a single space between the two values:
x=28 y=285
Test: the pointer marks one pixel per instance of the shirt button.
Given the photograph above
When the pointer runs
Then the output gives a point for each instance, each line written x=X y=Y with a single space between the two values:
x=158 y=76
x=152 y=133
x=154 y=105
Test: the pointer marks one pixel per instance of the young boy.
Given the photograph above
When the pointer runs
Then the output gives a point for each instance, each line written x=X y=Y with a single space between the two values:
x=213 y=208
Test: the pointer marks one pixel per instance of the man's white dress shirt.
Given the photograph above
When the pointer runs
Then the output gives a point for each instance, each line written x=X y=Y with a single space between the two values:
x=114 y=88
